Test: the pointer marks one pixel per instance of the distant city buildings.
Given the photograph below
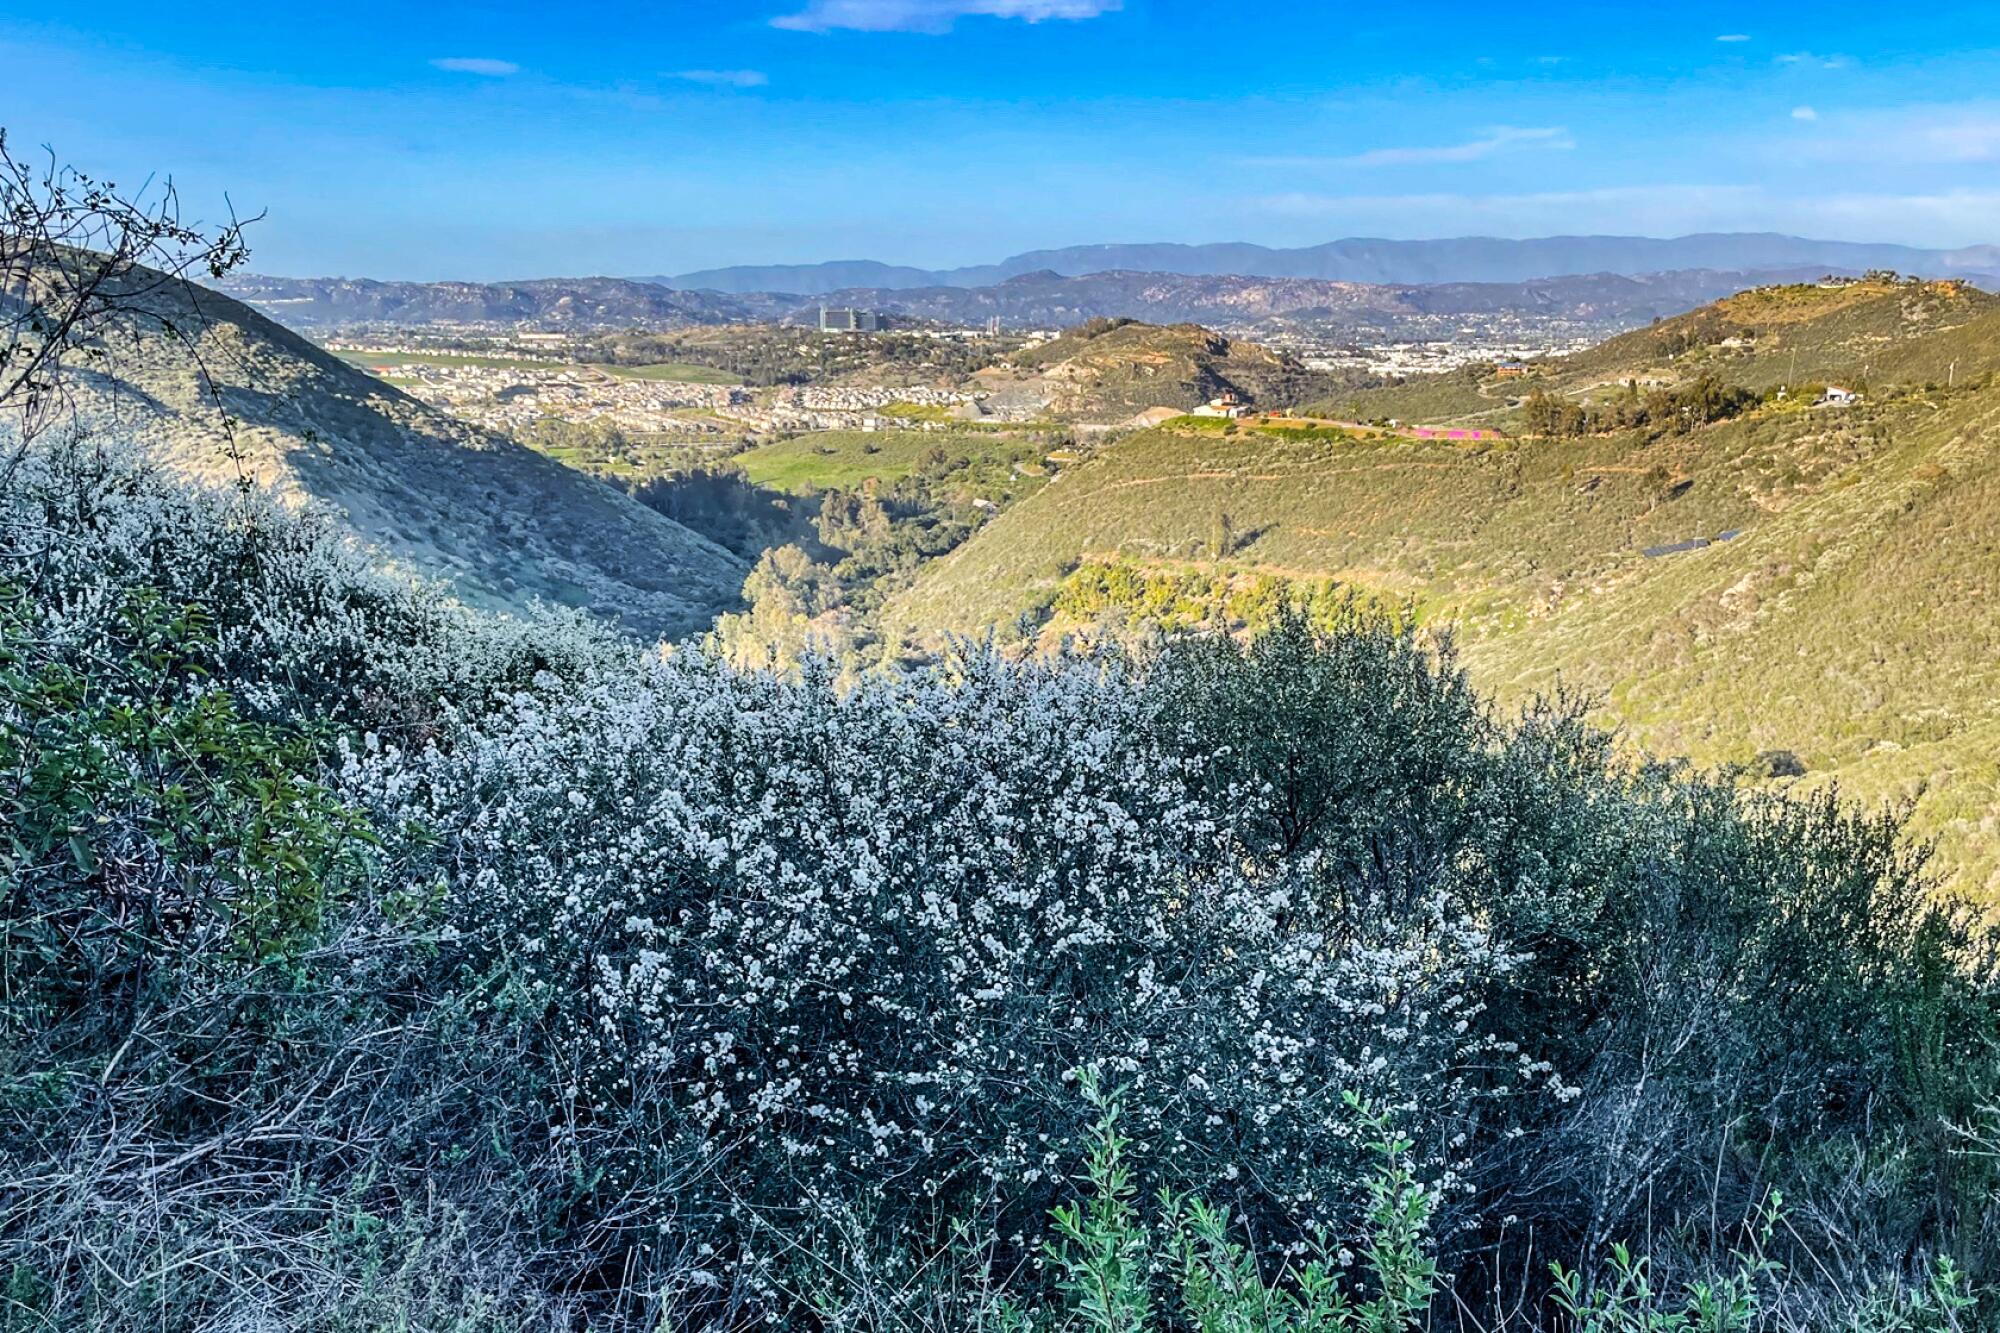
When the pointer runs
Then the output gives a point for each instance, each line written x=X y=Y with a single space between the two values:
x=845 y=319
x=512 y=397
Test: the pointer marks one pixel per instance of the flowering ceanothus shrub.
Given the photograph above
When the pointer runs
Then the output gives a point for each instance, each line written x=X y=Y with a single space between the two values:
x=295 y=622
x=862 y=941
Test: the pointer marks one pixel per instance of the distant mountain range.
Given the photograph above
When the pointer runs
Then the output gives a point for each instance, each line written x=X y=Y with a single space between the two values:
x=551 y=303
x=1603 y=302
x=1370 y=260
x=1046 y=299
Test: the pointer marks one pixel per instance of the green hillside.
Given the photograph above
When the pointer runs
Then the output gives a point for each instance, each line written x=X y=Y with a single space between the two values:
x=989 y=464
x=1846 y=631
x=1779 y=335
x=1877 y=331
x=1855 y=627
x=1488 y=534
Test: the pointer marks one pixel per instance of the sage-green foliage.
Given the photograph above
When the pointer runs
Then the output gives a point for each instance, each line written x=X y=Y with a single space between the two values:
x=1622 y=1297
x=154 y=834
x=1187 y=1266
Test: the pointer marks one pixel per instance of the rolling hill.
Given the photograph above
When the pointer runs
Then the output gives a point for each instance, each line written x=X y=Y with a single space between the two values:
x=1861 y=331
x=1108 y=369
x=1789 y=333
x=1807 y=590
x=248 y=399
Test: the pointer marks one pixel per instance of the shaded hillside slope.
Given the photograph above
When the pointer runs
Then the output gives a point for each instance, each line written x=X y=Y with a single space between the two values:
x=430 y=494
x=1852 y=621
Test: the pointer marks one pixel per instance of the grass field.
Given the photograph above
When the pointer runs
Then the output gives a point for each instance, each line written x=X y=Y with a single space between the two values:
x=682 y=371
x=829 y=459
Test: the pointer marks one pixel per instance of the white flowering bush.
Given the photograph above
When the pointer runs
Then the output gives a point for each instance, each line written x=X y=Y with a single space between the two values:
x=295 y=622
x=862 y=940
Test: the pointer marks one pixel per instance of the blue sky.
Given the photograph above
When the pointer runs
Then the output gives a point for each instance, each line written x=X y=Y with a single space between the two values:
x=436 y=139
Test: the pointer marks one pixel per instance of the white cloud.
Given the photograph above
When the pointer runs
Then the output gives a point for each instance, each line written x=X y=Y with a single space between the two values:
x=1968 y=140
x=1950 y=135
x=492 y=69
x=1807 y=60
x=931 y=15
x=1804 y=113
x=722 y=78
x=1734 y=37
x=1948 y=218
x=1490 y=143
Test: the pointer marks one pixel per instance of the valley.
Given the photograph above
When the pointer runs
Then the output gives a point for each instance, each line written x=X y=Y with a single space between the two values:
x=1746 y=588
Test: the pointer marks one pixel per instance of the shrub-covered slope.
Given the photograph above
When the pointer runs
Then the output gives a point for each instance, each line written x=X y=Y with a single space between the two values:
x=1789 y=334
x=373 y=964
x=225 y=394
x=1873 y=332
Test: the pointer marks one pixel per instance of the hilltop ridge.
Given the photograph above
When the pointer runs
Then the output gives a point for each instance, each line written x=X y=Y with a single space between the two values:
x=1107 y=369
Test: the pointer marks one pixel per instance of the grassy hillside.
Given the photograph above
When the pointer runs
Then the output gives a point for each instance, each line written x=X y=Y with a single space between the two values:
x=1855 y=627
x=1482 y=533
x=824 y=460
x=507 y=527
x=1876 y=332
x=1851 y=622
x=1466 y=397
x=1779 y=335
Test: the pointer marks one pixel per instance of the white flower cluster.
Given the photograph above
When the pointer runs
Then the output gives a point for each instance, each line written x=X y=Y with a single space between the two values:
x=295 y=620
x=853 y=941
x=863 y=938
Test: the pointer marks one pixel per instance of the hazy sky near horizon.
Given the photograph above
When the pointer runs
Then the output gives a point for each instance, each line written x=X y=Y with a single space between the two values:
x=506 y=140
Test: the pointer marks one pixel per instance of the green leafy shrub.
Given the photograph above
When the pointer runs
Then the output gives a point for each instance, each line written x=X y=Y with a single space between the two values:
x=154 y=834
